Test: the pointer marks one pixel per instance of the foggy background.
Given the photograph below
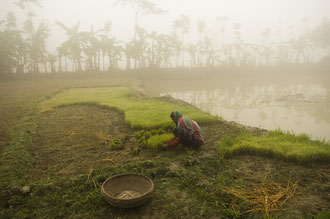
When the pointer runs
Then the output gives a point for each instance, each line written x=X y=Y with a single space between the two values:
x=285 y=19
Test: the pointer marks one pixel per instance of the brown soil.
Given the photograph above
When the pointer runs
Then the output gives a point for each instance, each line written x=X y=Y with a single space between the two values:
x=67 y=142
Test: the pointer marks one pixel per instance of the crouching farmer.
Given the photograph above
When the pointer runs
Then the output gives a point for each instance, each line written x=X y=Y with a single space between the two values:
x=187 y=132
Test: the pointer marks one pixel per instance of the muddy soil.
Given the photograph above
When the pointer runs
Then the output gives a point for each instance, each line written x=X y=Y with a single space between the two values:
x=76 y=139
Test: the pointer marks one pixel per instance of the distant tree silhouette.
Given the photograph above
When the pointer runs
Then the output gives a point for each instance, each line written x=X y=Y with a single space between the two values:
x=11 y=21
x=25 y=48
x=181 y=25
x=140 y=8
x=52 y=60
x=74 y=42
x=37 y=44
x=320 y=35
x=91 y=46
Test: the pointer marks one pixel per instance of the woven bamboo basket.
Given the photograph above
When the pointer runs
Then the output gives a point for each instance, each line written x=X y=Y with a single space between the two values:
x=127 y=190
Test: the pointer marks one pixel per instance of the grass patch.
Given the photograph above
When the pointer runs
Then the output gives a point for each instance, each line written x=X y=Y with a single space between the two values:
x=15 y=160
x=79 y=196
x=139 y=112
x=300 y=148
x=324 y=214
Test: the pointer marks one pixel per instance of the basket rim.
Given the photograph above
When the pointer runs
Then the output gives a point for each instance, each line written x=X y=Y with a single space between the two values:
x=128 y=174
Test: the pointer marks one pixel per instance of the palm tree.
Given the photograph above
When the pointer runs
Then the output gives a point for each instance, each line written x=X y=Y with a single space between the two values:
x=140 y=46
x=27 y=6
x=201 y=27
x=52 y=60
x=110 y=47
x=74 y=42
x=222 y=20
x=177 y=45
x=92 y=47
x=63 y=51
x=140 y=8
x=37 y=43
x=116 y=54
x=103 y=48
x=320 y=35
x=11 y=21
x=182 y=25
x=7 y=52
x=129 y=53
x=34 y=45
x=18 y=45
x=237 y=31
x=207 y=51
x=152 y=50
x=21 y=52
x=159 y=50
x=192 y=50
x=302 y=48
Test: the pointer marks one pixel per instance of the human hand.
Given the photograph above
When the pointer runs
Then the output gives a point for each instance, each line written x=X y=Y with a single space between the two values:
x=163 y=147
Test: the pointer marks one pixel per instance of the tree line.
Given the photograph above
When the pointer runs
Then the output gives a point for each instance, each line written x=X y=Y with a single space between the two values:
x=24 y=50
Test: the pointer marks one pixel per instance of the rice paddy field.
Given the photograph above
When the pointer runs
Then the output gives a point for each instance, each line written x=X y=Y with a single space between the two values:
x=62 y=136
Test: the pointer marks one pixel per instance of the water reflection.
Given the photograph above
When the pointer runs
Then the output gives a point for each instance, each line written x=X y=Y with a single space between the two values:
x=297 y=108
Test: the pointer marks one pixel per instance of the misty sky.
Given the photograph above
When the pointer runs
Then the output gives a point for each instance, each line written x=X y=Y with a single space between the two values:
x=253 y=15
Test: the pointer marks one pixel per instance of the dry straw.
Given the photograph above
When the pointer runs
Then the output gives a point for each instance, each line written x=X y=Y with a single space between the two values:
x=101 y=136
x=267 y=196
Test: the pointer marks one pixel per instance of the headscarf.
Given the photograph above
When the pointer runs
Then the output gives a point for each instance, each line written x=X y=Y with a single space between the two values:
x=175 y=115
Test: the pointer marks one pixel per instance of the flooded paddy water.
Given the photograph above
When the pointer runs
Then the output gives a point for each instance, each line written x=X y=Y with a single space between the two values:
x=297 y=108
x=296 y=103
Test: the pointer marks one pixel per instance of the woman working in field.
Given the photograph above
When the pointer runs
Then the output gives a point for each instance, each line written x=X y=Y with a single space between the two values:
x=187 y=132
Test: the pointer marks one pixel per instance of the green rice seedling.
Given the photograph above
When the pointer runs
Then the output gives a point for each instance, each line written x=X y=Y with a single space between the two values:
x=135 y=151
x=139 y=134
x=153 y=132
x=140 y=113
x=325 y=213
x=143 y=144
x=278 y=144
x=147 y=134
x=116 y=144
x=160 y=131
x=141 y=139
x=156 y=141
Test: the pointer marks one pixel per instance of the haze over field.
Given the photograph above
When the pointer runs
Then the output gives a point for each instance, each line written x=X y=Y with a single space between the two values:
x=285 y=18
x=257 y=36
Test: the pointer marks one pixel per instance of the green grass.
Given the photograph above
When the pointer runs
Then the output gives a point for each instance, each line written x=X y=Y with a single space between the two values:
x=15 y=161
x=324 y=214
x=300 y=148
x=139 y=113
x=156 y=141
